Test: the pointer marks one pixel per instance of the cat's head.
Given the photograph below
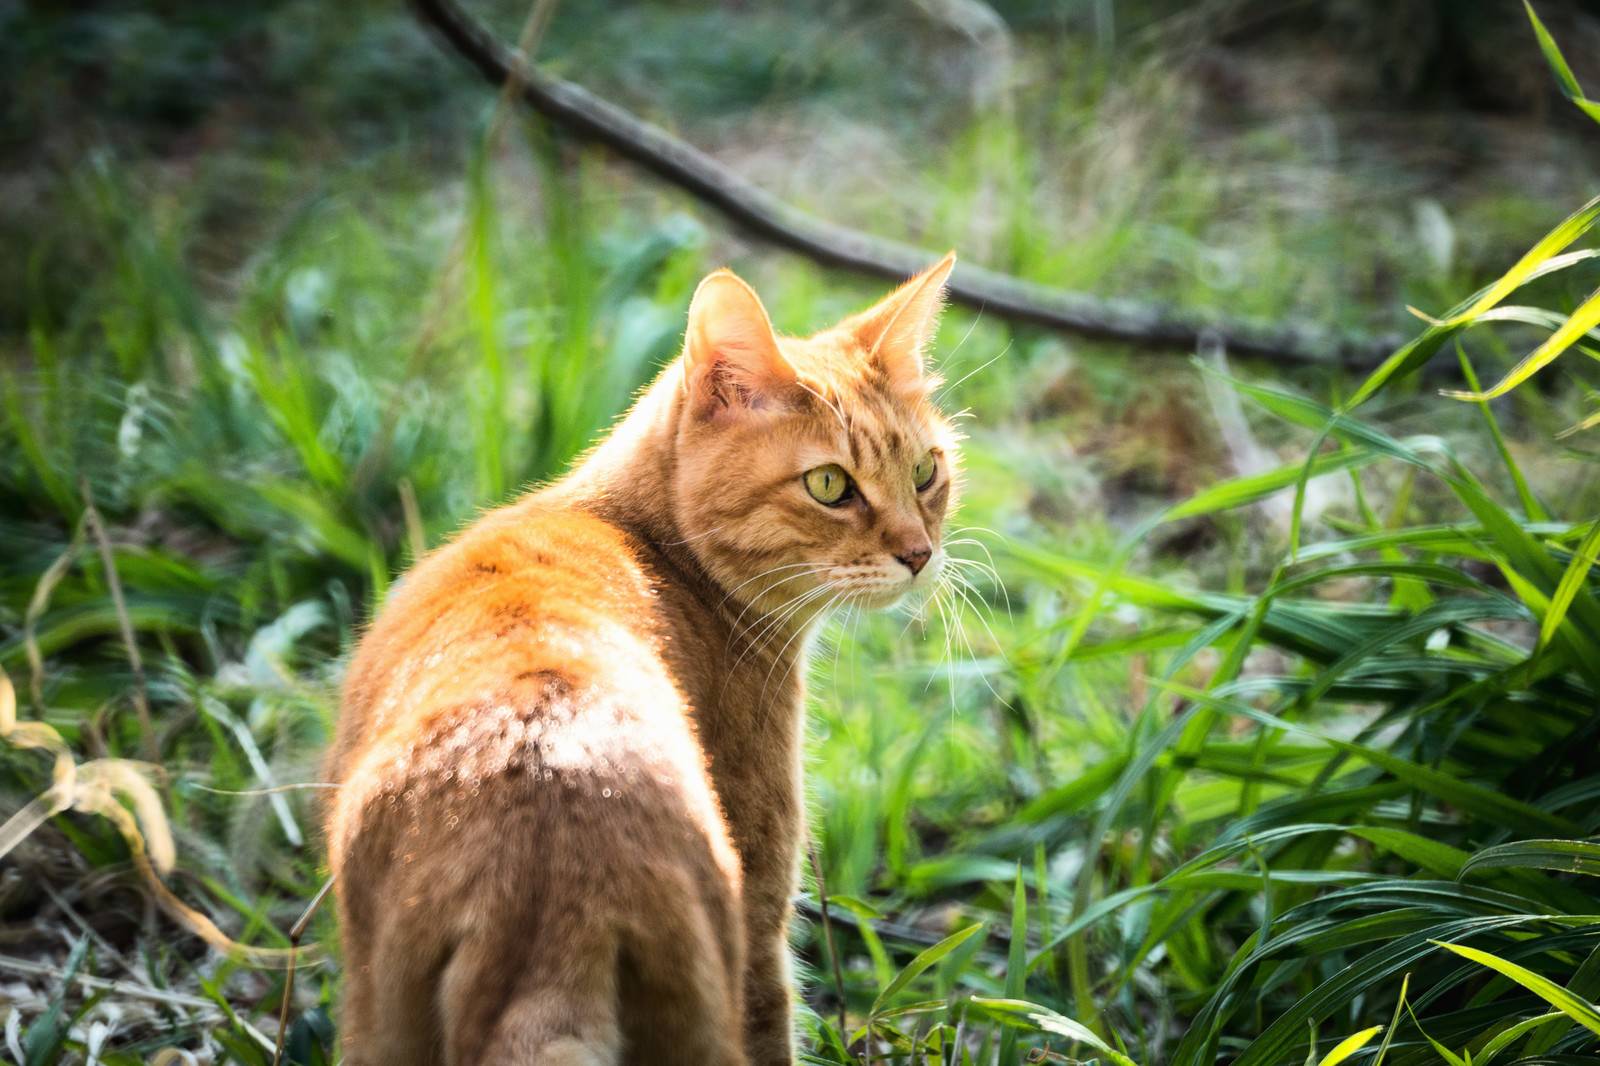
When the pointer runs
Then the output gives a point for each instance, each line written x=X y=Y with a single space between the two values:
x=815 y=470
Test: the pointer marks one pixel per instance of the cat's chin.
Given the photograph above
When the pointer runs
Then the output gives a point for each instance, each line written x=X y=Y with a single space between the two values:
x=902 y=594
x=884 y=598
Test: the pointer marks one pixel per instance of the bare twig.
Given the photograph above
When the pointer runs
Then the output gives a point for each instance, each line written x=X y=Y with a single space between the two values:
x=296 y=931
x=906 y=934
x=590 y=117
x=827 y=934
x=141 y=695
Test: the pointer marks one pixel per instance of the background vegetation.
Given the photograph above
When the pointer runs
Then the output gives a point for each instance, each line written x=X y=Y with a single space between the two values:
x=1265 y=717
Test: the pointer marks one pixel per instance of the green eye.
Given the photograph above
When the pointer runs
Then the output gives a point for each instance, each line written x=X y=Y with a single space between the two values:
x=828 y=484
x=922 y=473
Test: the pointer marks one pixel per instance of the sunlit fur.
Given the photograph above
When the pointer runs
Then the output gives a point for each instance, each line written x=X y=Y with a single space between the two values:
x=569 y=747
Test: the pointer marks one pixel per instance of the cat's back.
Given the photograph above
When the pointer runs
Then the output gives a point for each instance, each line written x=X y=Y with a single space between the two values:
x=516 y=766
x=526 y=652
x=528 y=593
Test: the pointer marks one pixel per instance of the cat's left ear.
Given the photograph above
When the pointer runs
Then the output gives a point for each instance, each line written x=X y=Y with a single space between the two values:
x=896 y=330
x=732 y=360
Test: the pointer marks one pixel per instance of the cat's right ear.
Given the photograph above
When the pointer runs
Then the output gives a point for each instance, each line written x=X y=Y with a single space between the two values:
x=732 y=362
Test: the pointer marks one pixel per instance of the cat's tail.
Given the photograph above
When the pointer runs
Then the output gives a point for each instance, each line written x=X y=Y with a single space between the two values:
x=555 y=1012
x=654 y=992
x=564 y=892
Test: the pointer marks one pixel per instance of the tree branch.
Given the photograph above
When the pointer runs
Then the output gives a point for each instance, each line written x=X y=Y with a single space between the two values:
x=760 y=213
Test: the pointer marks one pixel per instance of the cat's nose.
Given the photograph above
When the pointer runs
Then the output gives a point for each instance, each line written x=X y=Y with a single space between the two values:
x=915 y=558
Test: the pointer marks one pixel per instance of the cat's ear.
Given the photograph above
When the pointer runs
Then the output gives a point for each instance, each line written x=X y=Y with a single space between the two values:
x=732 y=361
x=896 y=330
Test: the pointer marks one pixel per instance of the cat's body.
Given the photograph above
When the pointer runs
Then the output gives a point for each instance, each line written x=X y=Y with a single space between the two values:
x=569 y=749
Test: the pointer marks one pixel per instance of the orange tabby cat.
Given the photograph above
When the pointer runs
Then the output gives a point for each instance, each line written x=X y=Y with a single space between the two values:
x=569 y=747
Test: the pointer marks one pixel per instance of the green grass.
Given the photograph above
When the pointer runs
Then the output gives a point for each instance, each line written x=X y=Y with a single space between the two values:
x=1168 y=784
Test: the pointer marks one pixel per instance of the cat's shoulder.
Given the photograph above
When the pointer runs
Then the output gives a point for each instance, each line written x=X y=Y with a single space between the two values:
x=528 y=534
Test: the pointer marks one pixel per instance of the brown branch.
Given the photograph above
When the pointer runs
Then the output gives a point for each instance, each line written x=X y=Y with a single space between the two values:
x=297 y=932
x=589 y=117
x=892 y=930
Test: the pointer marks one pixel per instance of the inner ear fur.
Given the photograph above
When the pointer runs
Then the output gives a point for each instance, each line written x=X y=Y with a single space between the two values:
x=732 y=360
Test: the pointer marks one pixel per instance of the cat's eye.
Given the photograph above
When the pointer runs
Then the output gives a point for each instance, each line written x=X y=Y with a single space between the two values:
x=828 y=484
x=922 y=473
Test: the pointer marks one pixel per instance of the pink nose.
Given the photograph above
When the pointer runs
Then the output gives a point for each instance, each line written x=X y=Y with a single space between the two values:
x=915 y=558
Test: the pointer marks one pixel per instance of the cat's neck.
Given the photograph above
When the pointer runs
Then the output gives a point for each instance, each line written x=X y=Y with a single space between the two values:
x=629 y=479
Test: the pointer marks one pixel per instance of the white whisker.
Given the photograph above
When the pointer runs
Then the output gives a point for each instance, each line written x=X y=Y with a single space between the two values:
x=952 y=386
x=956 y=587
x=806 y=570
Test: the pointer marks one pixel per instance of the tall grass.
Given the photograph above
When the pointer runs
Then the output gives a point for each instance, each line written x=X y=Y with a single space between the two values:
x=1357 y=823
x=1335 y=802
x=263 y=473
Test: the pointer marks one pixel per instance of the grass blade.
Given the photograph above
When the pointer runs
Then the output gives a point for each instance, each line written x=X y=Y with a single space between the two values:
x=1558 y=65
x=922 y=962
x=1566 y=856
x=1349 y=1046
x=1017 y=961
x=1578 y=1010
x=1418 y=351
x=1580 y=322
x=1573 y=579
x=1046 y=1020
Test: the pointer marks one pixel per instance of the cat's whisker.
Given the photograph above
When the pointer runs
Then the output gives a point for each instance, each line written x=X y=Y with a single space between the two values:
x=981 y=565
x=970 y=561
x=779 y=655
x=774 y=625
x=767 y=573
x=949 y=657
x=765 y=625
x=778 y=619
x=948 y=389
x=958 y=566
x=957 y=587
x=855 y=625
x=958 y=634
x=833 y=600
x=737 y=629
x=916 y=612
x=838 y=642
x=844 y=634
x=794 y=606
x=951 y=354
x=962 y=586
x=955 y=539
x=956 y=531
x=933 y=601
